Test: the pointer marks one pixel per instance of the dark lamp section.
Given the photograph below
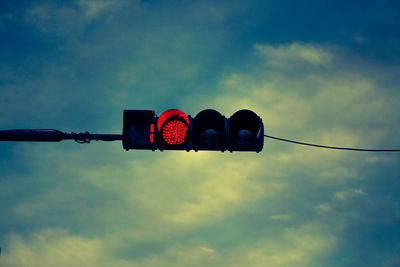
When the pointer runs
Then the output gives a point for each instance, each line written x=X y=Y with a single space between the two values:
x=246 y=131
x=209 y=130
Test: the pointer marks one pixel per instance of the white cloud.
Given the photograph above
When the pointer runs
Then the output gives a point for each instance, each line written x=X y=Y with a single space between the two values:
x=94 y=8
x=187 y=189
x=55 y=247
x=293 y=54
x=301 y=246
x=178 y=255
x=322 y=208
x=280 y=217
x=71 y=18
x=343 y=195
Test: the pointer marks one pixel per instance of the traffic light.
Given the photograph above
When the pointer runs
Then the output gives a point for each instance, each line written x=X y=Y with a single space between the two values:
x=138 y=129
x=173 y=130
x=246 y=131
x=208 y=130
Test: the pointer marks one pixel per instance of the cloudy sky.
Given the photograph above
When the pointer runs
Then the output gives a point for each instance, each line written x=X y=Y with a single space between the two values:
x=325 y=72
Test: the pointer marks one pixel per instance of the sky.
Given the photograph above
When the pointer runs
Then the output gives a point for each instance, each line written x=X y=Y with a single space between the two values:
x=325 y=72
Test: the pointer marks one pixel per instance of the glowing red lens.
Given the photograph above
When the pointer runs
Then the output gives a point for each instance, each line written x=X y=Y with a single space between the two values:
x=171 y=113
x=174 y=132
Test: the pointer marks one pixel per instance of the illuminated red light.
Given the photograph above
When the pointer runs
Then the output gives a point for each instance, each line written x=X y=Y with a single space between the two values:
x=152 y=133
x=174 y=132
x=173 y=124
x=171 y=113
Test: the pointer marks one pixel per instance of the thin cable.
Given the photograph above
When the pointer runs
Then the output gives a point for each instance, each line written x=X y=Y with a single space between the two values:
x=333 y=147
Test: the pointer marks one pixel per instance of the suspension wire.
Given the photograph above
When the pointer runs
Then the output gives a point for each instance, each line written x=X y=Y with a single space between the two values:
x=333 y=147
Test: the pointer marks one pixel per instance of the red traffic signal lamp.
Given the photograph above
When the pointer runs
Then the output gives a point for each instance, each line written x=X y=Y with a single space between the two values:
x=208 y=130
x=173 y=130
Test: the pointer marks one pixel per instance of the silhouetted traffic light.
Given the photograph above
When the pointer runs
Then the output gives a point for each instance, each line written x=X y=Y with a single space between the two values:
x=138 y=129
x=246 y=131
x=208 y=130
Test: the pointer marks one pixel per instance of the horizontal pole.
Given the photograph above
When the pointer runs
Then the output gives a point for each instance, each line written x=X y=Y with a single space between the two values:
x=52 y=135
x=35 y=135
x=87 y=137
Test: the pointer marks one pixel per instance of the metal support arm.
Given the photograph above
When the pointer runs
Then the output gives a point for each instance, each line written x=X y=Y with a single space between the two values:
x=52 y=135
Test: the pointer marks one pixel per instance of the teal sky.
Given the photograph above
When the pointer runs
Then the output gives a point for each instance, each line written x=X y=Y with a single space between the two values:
x=325 y=72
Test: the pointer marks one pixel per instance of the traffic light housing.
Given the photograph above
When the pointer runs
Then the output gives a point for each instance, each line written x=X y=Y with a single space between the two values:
x=208 y=130
x=138 y=129
x=246 y=131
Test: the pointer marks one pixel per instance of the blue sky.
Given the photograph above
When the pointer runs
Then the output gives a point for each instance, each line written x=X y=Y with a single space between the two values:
x=317 y=71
